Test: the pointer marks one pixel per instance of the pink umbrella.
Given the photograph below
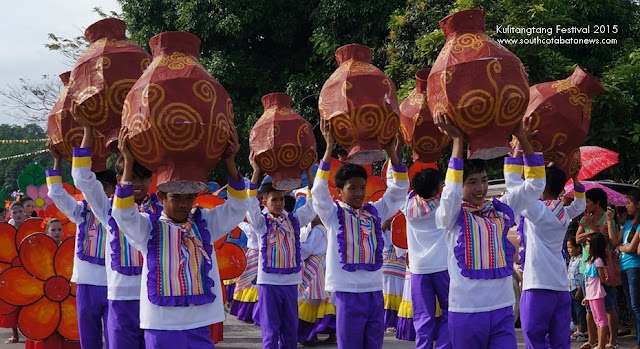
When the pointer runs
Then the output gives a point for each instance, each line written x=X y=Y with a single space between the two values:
x=594 y=160
x=613 y=197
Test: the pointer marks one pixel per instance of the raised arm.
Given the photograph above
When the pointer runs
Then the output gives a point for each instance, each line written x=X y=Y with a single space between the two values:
x=66 y=203
x=322 y=201
x=451 y=199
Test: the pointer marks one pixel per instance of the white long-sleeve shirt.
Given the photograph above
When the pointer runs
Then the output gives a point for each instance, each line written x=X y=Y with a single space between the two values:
x=220 y=220
x=84 y=273
x=119 y=286
x=316 y=242
x=304 y=215
x=426 y=242
x=468 y=295
x=358 y=281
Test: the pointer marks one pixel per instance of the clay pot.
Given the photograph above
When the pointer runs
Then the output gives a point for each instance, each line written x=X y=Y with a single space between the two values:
x=65 y=133
x=416 y=123
x=103 y=76
x=360 y=102
x=178 y=116
x=561 y=112
x=478 y=84
x=282 y=142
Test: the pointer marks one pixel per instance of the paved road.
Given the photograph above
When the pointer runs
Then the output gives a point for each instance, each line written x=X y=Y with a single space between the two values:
x=238 y=335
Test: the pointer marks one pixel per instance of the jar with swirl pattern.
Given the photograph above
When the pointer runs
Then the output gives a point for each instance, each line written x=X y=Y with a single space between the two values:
x=561 y=112
x=416 y=123
x=178 y=117
x=282 y=142
x=361 y=104
x=103 y=76
x=65 y=133
x=478 y=84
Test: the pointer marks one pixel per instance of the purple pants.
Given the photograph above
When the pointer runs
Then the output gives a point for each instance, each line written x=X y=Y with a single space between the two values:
x=278 y=315
x=425 y=289
x=93 y=313
x=196 y=338
x=545 y=312
x=486 y=330
x=360 y=320
x=123 y=326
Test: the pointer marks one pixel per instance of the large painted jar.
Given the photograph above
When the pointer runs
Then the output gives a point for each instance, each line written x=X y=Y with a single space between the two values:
x=104 y=74
x=479 y=84
x=361 y=103
x=416 y=123
x=179 y=117
x=65 y=133
x=561 y=112
x=282 y=142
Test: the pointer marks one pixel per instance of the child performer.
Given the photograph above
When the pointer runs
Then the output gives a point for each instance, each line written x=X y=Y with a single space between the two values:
x=316 y=312
x=89 y=261
x=123 y=262
x=180 y=294
x=279 y=262
x=16 y=212
x=394 y=268
x=428 y=251
x=245 y=295
x=480 y=255
x=545 y=279
x=53 y=228
x=354 y=250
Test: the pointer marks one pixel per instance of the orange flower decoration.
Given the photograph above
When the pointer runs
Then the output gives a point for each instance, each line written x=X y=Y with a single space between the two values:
x=42 y=287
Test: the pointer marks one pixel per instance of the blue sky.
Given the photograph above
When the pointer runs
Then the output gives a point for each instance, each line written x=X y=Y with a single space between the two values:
x=24 y=26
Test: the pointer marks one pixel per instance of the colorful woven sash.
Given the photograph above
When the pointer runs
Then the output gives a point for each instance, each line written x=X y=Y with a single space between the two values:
x=281 y=244
x=313 y=278
x=179 y=262
x=360 y=239
x=557 y=208
x=125 y=259
x=394 y=266
x=418 y=207
x=483 y=250
x=91 y=238
x=248 y=277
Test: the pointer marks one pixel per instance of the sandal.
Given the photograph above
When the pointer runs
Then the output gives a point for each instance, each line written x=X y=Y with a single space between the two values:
x=12 y=340
x=588 y=345
x=608 y=346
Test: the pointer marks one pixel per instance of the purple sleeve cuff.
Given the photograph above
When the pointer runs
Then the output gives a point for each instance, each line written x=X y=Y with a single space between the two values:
x=514 y=161
x=456 y=164
x=81 y=152
x=124 y=191
x=534 y=160
x=324 y=166
x=253 y=186
x=400 y=168
x=579 y=188
x=237 y=185
x=51 y=173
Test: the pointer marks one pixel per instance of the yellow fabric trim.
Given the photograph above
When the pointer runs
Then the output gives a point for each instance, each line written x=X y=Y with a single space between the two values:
x=513 y=168
x=579 y=195
x=229 y=282
x=534 y=172
x=238 y=194
x=84 y=161
x=311 y=313
x=454 y=176
x=392 y=301
x=438 y=310
x=400 y=176
x=322 y=174
x=253 y=193
x=54 y=179
x=247 y=295
x=406 y=310
x=123 y=203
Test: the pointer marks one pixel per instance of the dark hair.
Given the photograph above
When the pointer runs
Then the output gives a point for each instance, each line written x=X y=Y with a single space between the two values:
x=341 y=151
x=597 y=247
x=139 y=171
x=599 y=196
x=556 y=178
x=426 y=182
x=634 y=197
x=348 y=171
x=472 y=166
x=107 y=177
x=51 y=221
x=572 y=239
x=268 y=188
x=23 y=198
x=289 y=203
